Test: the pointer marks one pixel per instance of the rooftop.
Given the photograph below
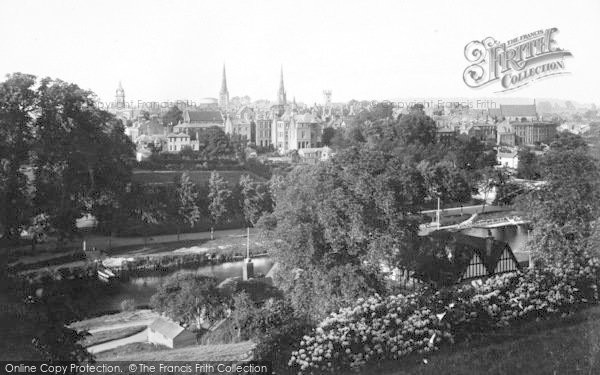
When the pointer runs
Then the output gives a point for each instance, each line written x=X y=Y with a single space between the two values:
x=202 y=116
x=167 y=328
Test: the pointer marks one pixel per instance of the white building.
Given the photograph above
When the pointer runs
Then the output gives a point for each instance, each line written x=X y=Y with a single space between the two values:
x=315 y=155
x=179 y=141
x=168 y=333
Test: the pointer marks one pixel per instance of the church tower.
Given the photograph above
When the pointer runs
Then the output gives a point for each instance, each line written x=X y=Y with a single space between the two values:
x=224 y=93
x=120 y=96
x=281 y=100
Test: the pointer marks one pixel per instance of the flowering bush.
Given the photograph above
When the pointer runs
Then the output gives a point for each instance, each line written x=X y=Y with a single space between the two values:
x=390 y=327
x=374 y=329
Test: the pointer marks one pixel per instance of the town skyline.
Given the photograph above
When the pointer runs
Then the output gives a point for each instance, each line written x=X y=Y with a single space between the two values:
x=357 y=50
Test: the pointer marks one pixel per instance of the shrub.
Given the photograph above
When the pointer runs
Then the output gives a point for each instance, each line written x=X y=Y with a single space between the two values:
x=128 y=304
x=276 y=345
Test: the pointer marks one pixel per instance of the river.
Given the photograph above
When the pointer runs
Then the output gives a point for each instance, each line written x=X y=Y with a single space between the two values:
x=141 y=288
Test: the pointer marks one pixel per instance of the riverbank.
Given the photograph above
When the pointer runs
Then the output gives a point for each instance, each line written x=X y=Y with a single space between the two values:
x=154 y=256
x=45 y=251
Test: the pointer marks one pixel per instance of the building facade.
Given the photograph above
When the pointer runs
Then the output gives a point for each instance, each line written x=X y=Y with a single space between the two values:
x=532 y=132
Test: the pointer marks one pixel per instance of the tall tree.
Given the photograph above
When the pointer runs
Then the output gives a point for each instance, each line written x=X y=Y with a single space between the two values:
x=327 y=136
x=187 y=193
x=564 y=208
x=528 y=167
x=82 y=157
x=17 y=103
x=255 y=199
x=335 y=224
x=218 y=195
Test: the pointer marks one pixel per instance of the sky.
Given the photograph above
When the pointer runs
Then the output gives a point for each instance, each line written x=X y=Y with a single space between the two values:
x=365 y=50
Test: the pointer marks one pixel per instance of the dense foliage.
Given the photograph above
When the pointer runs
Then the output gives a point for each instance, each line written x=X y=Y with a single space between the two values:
x=380 y=328
x=189 y=298
x=337 y=223
x=76 y=156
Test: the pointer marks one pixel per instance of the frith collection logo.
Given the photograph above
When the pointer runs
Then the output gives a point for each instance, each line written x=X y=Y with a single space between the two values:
x=515 y=63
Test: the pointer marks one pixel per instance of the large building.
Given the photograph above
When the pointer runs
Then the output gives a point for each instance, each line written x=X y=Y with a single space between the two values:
x=264 y=121
x=519 y=125
x=242 y=124
x=293 y=131
x=532 y=132
x=516 y=112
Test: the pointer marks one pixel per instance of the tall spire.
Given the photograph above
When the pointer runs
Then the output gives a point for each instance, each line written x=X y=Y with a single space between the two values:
x=281 y=93
x=224 y=93
x=224 y=81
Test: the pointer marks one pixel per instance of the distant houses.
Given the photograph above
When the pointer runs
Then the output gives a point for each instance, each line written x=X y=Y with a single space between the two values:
x=168 y=333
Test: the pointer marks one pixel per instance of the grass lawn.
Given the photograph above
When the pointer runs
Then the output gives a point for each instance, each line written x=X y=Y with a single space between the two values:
x=561 y=346
x=111 y=334
x=149 y=352
x=198 y=177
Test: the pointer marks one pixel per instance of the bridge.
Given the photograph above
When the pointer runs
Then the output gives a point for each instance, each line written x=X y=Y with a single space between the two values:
x=472 y=222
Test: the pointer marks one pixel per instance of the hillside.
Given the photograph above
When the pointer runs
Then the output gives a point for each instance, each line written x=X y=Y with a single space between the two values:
x=149 y=352
x=566 y=346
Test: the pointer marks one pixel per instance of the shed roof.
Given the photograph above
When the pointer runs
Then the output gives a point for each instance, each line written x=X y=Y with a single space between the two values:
x=167 y=328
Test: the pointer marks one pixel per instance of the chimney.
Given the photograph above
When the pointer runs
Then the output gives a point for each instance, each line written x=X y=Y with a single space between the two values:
x=489 y=242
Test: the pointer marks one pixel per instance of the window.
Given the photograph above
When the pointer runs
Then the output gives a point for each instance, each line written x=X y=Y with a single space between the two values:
x=475 y=269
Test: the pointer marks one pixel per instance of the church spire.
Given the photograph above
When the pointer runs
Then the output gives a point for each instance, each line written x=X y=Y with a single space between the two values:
x=224 y=93
x=281 y=93
x=224 y=81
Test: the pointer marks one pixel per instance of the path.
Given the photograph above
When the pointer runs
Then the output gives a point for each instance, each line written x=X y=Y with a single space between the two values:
x=104 y=242
x=45 y=251
x=138 y=337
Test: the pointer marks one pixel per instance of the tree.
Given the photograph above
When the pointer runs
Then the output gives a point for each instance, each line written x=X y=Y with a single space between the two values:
x=568 y=141
x=445 y=182
x=172 y=117
x=473 y=155
x=17 y=102
x=528 y=167
x=327 y=136
x=570 y=194
x=148 y=205
x=218 y=196
x=255 y=200
x=187 y=194
x=417 y=127
x=335 y=224
x=189 y=298
x=564 y=208
x=215 y=143
x=82 y=158
x=35 y=321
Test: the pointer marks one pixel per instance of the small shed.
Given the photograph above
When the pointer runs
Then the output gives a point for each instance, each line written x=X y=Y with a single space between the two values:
x=169 y=333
